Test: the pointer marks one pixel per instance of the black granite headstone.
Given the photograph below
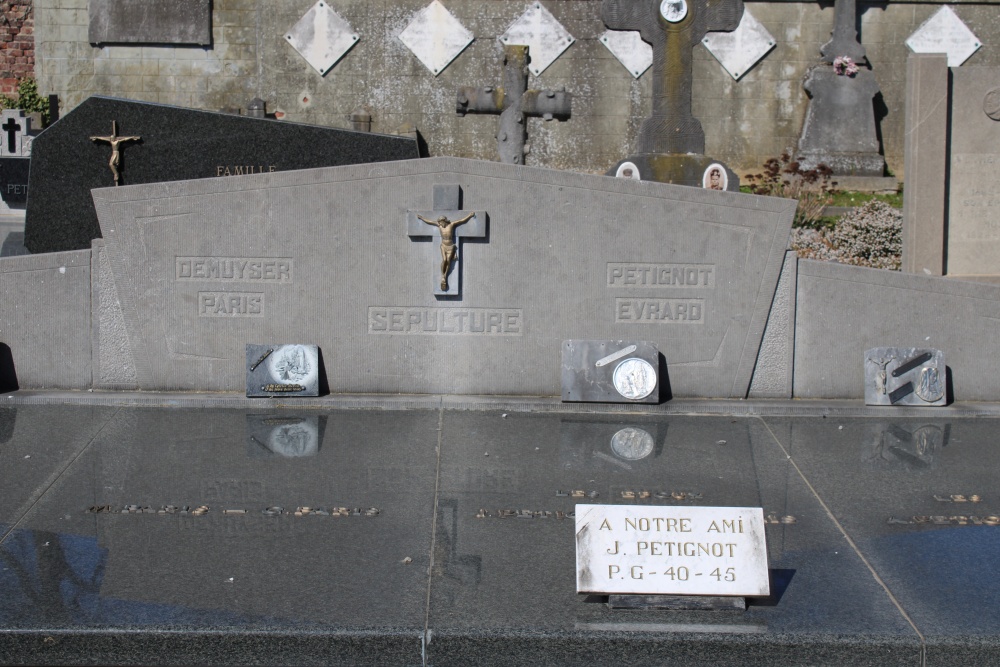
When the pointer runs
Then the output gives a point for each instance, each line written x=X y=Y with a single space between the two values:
x=174 y=144
x=14 y=180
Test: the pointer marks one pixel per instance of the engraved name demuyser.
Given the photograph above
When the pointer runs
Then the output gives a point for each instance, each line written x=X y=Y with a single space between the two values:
x=446 y=321
x=622 y=274
x=235 y=269
x=230 y=304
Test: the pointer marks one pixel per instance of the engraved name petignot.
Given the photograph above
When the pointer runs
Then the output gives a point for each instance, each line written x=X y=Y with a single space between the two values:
x=230 y=304
x=659 y=311
x=621 y=274
x=235 y=269
x=447 y=321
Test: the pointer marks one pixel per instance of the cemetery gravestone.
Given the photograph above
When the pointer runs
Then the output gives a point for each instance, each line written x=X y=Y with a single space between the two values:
x=173 y=144
x=671 y=142
x=17 y=133
x=539 y=276
x=839 y=130
x=973 y=243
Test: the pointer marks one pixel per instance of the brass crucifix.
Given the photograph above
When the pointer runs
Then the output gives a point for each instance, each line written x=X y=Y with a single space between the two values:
x=447 y=228
x=115 y=142
x=455 y=226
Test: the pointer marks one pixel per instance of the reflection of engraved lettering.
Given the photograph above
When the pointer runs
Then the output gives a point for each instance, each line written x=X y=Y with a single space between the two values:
x=230 y=304
x=449 y=321
x=660 y=311
x=661 y=275
x=234 y=269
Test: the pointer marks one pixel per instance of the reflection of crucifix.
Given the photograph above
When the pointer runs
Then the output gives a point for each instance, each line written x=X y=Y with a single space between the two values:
x=115 y=142
x=446 y=218
x=673 y=27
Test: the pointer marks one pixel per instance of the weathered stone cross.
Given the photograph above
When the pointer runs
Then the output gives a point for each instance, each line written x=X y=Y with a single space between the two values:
x=673 y=27
x=514 y=103
x=844 y=38
x=450 y=232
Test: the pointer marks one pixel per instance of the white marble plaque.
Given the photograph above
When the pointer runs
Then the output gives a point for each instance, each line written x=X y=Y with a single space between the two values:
x=665 y=550
x=435 y=37
x=741 y=49
x=627 y=46
x=944 y=32
x=322 y=37
x=544 y=36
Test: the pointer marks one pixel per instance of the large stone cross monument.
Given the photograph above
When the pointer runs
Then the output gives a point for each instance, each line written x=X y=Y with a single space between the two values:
x=671 y=141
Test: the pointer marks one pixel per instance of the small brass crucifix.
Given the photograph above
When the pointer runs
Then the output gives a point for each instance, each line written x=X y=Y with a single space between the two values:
x=115 y=142
x=452 y=225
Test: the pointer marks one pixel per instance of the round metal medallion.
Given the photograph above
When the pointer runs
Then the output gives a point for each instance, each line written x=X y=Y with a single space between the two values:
x=635 y=378
x=991 y=104
x=930 y=388
x=674 y=10
x=632 y=444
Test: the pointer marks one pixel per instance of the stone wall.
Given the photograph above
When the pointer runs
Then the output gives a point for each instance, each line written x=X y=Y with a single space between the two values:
x=745 y=121
x=17 y=43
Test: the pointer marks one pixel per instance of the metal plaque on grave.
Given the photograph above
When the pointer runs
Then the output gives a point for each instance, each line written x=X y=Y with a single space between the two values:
x=905 y=376
x=282 y=370
x=610 y=371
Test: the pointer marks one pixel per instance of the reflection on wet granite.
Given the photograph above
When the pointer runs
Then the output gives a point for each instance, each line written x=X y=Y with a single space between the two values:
x=508 y=488
x=923 y=504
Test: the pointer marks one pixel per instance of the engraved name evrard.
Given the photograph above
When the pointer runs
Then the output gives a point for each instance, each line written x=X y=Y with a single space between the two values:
x=659 y=311
x=235 y=269
x=661 y=275
x=448 y=321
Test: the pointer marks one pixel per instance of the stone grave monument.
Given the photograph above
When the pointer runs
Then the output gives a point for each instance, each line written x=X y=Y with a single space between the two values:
x=106 y=142
x=839 y=130
x=671 y=143
x=952 y=149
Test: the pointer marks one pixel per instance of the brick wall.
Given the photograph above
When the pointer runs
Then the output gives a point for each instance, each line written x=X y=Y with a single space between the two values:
x=17 y=44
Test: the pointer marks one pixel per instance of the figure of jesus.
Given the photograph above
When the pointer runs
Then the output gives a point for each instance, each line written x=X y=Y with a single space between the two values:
x=448 y=251
x=115 y=142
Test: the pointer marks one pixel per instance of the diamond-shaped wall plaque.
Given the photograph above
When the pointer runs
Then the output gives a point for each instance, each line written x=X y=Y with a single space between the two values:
x=944 y=32
x=435 y=37
x=544 y=36
x=627 y=45
x=322 y=37
x=741 y=49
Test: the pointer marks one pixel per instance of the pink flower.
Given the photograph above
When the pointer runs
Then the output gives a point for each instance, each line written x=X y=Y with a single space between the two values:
x=843 y=65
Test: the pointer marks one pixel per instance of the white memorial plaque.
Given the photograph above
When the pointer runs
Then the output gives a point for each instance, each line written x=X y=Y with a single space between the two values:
x=627 y=46
x=322 y=37
x=666 y=550
x=944 y=32
x=741 y=49
x=435 y=37
x=542 y=33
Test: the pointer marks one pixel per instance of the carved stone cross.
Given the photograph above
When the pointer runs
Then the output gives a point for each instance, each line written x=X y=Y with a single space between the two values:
x=514 y=103
x=672 y=27
x=844 y=38
x=445 y=224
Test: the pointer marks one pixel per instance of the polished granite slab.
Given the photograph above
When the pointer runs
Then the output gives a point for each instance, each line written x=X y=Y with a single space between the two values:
x=444 y=536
